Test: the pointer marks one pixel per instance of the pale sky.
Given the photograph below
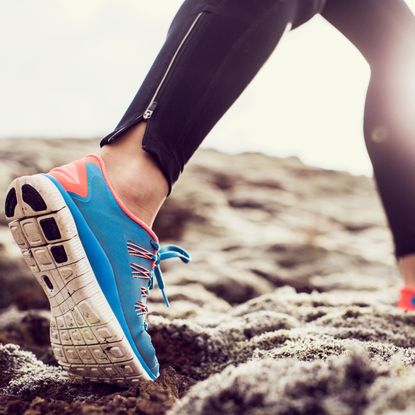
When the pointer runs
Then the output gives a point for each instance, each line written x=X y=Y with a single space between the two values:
x=71 y=67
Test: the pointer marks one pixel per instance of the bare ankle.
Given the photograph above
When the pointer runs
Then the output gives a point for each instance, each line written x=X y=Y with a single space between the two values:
x=407 y=269
x=135 y=175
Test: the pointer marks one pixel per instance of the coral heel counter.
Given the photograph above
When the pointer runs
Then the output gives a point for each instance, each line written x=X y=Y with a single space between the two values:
x=73 y=176
x=407 y=299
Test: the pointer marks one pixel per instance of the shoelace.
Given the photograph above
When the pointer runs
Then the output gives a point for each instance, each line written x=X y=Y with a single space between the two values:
x=138 y=271
x=163 y=253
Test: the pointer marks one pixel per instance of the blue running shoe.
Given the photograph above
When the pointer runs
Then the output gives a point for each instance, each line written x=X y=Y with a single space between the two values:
x=97 y=264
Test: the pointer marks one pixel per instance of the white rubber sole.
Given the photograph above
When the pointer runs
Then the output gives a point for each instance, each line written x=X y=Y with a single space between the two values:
x=86 y=338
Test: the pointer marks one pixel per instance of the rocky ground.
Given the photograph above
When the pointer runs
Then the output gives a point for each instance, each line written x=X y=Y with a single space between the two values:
x=287 y=307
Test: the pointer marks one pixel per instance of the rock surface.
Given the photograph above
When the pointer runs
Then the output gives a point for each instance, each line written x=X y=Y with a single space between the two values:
x=287 y=307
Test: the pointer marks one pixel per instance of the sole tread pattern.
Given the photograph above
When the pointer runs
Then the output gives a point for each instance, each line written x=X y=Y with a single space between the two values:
x=86 y=337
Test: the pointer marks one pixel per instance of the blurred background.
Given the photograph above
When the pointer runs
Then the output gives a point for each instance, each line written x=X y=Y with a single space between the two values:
x=73 y=67
x=293 y=273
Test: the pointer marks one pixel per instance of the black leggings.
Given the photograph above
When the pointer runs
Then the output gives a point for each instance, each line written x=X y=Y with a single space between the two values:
x=215 y=47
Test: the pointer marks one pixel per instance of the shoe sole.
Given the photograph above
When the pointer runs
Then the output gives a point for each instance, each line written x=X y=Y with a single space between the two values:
x=86 y=338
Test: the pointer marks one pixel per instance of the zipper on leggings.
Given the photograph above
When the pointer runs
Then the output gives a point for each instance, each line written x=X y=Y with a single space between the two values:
x=148 y=112
x=153 y=103
x=125 y=127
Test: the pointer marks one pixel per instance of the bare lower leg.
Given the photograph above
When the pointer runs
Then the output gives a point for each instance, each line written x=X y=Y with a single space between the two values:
x=134 y=174
x=407 y=269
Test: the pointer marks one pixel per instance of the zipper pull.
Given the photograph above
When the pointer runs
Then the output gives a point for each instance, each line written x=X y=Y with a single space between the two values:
x=149 y=111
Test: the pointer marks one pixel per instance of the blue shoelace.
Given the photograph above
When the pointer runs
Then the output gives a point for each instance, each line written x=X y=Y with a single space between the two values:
x=163 y=253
